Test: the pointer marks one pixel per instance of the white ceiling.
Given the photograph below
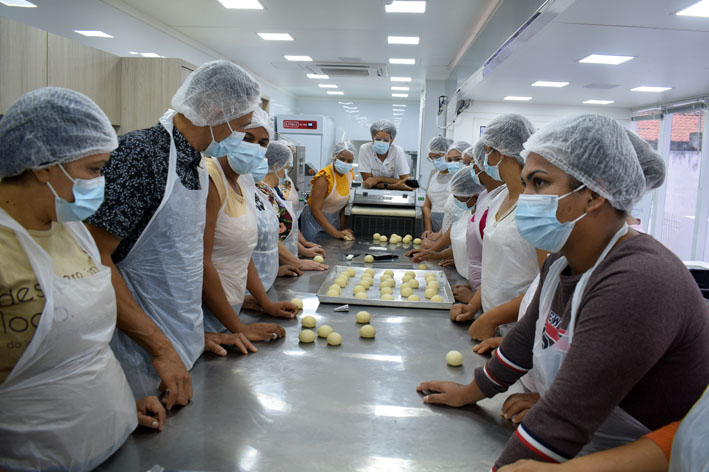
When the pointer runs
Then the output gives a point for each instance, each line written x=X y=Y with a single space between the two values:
x=670 y=51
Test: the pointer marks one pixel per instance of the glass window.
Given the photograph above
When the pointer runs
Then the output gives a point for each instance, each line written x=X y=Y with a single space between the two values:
x=649 y=130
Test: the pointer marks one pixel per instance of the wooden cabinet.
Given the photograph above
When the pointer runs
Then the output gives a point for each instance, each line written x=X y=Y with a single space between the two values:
x=23 y=61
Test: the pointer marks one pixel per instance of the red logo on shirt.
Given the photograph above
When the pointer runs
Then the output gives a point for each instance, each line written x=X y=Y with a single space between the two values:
x=552 y=332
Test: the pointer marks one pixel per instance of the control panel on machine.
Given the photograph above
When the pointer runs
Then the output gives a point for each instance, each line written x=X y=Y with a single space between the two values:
x=368 y=196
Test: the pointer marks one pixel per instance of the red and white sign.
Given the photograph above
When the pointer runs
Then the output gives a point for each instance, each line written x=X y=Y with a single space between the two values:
x=300 y=124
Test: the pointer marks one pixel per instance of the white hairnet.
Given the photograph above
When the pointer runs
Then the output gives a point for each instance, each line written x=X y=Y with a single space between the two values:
x=342 y=146
x=477 y=154
x=260 y=119
x=438 y=145
x=507 y=133
x=596 y=151
x=462 y=184
x=217 y=92
x=278 y=155
x=383 y=125
x=651 y=161
x=51 y=126
x=459 y=146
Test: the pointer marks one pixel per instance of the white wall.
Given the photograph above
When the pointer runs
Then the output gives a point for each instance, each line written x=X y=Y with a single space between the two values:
x=428 y=124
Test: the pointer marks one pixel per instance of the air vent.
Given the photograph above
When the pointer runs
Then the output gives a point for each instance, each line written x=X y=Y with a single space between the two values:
x=348 y=69
x=601 y=86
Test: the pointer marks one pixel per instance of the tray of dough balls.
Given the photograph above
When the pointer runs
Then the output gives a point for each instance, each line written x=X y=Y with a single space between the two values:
x=399 y=288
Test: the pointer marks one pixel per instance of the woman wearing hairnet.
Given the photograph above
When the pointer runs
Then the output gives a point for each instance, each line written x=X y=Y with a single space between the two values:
x=382 y=163
x=467 y=193
x=437 y=190
x=509 y=262
x=328 y=198
x=617 y=322
x=65 y=403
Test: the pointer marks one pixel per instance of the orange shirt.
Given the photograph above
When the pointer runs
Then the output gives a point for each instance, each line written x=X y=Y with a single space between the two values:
x=663 y=437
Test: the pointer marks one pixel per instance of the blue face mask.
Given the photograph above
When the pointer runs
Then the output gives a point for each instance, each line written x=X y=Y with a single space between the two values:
x=260 y=171
x=455 y=166
x=88 y=197
x=282 y=180
x=225 y=146
x=246 y=158
x=380 y=147
x=342 y=167
x=493 y=171
x=440 y=164
x=537 y=222
x=461 y=205
x=476 y=177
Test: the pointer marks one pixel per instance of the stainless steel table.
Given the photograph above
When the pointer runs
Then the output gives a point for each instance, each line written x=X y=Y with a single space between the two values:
x=315 y=407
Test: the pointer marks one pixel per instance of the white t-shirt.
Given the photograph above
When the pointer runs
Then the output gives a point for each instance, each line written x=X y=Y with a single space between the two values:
x=394 y=166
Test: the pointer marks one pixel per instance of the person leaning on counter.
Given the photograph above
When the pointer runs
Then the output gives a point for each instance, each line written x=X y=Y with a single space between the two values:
x=383 y=164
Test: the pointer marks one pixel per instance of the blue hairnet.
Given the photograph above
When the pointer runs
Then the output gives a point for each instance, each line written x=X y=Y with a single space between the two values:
x=477 y=154
x=217 y=92
x=51 y=126
x=459 y=146
x=278 y=155
x=462 y=184
x=260 y=119
x=438 y=145
x=342 y=146
x=596 y=151
x=383 y=125
x=507 y=133
x=651 y=161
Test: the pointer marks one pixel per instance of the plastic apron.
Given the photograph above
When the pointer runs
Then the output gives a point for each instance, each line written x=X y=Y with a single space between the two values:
x=265 y=253
x=234 y=242
x=458 y=243
x=291 y=196
x=291 y=241
x=331 y=207
x=619 y=428
x=438 y=194
x=528 y=379
x=474 y=252
x=164 y=272
x=66 y=404
x=689 y=448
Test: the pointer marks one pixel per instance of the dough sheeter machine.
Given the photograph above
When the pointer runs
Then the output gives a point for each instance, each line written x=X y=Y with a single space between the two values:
x=372 y=211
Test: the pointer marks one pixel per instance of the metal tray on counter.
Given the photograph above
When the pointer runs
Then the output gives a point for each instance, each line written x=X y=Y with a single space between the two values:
x=347 y=295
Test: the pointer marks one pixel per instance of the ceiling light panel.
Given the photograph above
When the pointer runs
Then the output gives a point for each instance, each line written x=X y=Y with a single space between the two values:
x=406 y=6
x=403 y=89
x=605 y=59
x=242 y=4
x=276 y=36
x=646 y=88
x=299 y=58
x=93 y=34
x=335 y=92
x=405 y=62
x=18 y=3
x=598 y=102
x=403 y=39
x=546 y=83
x=318 y=76
x=514 y=98
x=700 y=9
x=400 y=95
x=401 y=79
x=327 y=85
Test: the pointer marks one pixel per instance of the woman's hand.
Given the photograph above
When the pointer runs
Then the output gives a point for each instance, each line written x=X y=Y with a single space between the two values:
x=288 y=270
x=151 y=413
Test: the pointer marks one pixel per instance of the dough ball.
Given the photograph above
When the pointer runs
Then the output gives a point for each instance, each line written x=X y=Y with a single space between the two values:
x=367 y=331
x=406 y=291
x=410 y=273
x=430 y=276
x=351 y=272
x=369 y=258
x=308 y=321
x=383 y=238
x=306 y=336
x=417 y=241
x=335 y=287
x=406 y=278
x=361 y=295
x=430 y=292
x=319 y=259
x=332 y=293
x=436 y=298
x=387 y=283
x=334 y=339
x=387 y=296
x=395 y=239
x=369 y=271
x=363 y=317
x=358 y=289
x=366 y=283
x=347 y=237
x=454 y=358
x=413 y=283
x=404 y=285
x=433 y=284
x=407 y=239
x=408 y=236
x=413 y=298
x=324 y=331
x=376 y=236
x=423 y=266
x=297 y=302
x=385 y=290
x=389 y=272
x=341 y=281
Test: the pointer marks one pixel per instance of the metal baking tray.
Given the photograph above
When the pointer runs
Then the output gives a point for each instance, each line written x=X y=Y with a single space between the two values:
x=347 y=296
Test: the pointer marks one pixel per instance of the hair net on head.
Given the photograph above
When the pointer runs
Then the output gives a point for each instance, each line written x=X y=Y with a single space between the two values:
x=596 y=151
x=278 y=156
x=462 y=184
x=342 y=146
x=651 y=161
x=477 y=153
x=507 y=133
x=459 y=146
x=383 y=125
x=260 y=119
x=217 y=92
x=51 y=126
x=438 y=145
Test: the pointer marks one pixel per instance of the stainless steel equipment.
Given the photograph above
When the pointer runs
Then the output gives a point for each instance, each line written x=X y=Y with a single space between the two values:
x=385 y=211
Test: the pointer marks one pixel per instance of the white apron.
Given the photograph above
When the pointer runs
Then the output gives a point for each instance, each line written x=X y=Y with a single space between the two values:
x=689 y=448
x=291 y=241
x=619 y=428
x=458 y=243
x=291 y=196
x=234 y=242
x=164 y=272
x=331 y=207
x=265 y=253
x=66 y=404
x=438 y=194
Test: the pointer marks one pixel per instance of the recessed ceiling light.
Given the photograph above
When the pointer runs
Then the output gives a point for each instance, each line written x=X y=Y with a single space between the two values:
x=403 y=39
x=397 y=114
x=400 y=95
x=149 y=54
x=18 y=3
x=513 y=98
x=318 y=76
x=605 y=59
x=546 y=83
x=646 y=88
x=133 y=52
x=403 y=89
x=276 y=36
x=407 y=62
x=93 y=34
x=335 y=92
x=299 y=58
x=401 y=79
x=406 y=6
x=598 y=102
x=700 y=9
x=398 y=105
x=345 y=103
x=242 y=4
x=327 y=85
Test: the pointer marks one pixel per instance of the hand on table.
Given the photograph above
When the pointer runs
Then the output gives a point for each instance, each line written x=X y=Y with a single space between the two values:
x=176 y=381
x=400 y=186
x=462 y=312
x=446 y=393
x=490 y=344
x=426 y=255
x=213 y=342
x=306 y=264
x=447 y=263
x=518 y=405
x=482 y=329
x=311 y=252
x=281 y=309
x=288 y=270
x=263 y=331
x=462 y=293
x=346 y=234
x=413 y=252
x=151 y=413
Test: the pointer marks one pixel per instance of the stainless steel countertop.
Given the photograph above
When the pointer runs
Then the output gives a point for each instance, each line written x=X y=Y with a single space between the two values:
x=315 y=407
